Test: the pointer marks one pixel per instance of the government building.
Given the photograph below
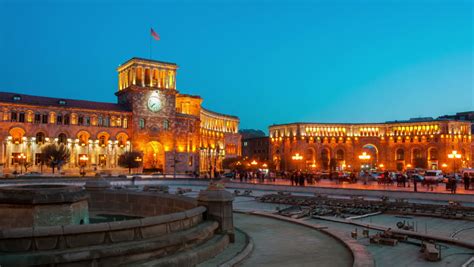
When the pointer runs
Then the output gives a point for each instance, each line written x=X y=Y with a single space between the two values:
x=172 y=130
x=398 y=145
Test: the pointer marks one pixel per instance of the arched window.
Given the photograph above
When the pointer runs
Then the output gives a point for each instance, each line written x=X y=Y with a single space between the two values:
x=141 y=123
x=166 y=125
x=433 y=154
x=62 y=138
x=400 y=155
x=340 y=154
x=40 y=137
x=417 y=154
x=67 y=119
x=102 y=140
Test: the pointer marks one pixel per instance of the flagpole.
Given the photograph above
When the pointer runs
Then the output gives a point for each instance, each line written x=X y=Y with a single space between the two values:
x=150 y=42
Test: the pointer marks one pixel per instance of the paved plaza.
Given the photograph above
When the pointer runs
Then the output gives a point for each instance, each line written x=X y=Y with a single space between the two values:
x=279 y=243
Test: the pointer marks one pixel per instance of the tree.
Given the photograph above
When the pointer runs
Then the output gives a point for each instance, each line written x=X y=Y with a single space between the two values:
x=130 y=159
x=55 y=155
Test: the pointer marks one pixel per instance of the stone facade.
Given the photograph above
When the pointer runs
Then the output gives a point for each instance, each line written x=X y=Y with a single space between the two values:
x=175 y=134
x=394 y=145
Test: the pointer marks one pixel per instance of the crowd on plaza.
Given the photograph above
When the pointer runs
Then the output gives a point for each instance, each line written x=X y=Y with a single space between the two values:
x=386 y=178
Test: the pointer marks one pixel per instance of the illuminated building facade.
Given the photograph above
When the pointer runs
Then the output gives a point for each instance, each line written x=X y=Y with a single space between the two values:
x=171 y=129
x=397 y=145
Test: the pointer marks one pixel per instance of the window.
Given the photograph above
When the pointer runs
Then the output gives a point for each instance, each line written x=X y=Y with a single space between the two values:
x=125 y=123
x=141 y=123
x=21 y=118
x=59 y=119
x=80 y=120
x=87 y=121
x=400 y=154
x=16 y=98
x=166 y=124
x=62 y=102
x=40 y=138
x=37 y=118
x=100 y=121
x=66 y=120
x=102 y=140
x=107 y=122
x=15 y=158
x=45 y=119
x=13 y=116
x=62 y=139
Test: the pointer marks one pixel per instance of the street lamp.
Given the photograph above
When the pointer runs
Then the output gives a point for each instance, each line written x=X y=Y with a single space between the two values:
x=83 y=161
x=454 y=155
x=21 y=160
x=254 y=162
x=297 y=157
x=364 y=157
x=137 y=160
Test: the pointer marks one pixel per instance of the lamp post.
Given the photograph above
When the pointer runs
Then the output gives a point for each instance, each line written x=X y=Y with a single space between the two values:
x=21 y=160
x=297 y=158
x=83 y=162
x=454 y=156
x=364 y=157
x=138 y=160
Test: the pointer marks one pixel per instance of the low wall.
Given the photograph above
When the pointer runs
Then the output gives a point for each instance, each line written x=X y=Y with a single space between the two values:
x=144 y=204
x=163 y=214
x=468 y=198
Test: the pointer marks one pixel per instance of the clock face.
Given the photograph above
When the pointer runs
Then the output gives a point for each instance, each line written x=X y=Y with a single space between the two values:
x=154 y=102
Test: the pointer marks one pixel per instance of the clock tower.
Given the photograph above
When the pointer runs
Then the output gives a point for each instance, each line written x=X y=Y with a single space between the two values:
x=148 y=89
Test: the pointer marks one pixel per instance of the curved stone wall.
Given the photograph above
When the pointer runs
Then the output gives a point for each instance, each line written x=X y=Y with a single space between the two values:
x=171 y=224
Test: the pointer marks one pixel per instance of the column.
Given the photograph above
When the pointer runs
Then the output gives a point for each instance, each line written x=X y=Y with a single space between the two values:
x=143 y=76
x=218 y=203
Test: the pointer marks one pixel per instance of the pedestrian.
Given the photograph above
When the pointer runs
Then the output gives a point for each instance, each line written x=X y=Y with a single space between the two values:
x=404 y=180
x=415 y=189
x=453 y=184
x=466 y=181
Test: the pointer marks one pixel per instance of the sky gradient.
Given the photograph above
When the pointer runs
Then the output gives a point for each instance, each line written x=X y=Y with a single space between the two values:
x=264 y=61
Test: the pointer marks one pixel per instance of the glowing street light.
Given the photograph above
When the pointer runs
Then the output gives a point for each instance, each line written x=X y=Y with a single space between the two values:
x=83 y=161
x=364 y=156
x=21 y=160
x=454 y=156
x=297 y=156
x=254 y=162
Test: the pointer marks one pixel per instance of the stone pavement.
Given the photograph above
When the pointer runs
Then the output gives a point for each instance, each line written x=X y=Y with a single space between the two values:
x=279 y=243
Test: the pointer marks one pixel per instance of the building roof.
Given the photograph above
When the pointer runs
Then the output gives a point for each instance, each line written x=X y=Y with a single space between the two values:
x=219 y=114
x=15 y=98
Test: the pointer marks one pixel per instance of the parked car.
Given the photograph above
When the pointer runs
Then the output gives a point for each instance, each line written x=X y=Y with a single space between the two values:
x=375 y=176
x=434 y=176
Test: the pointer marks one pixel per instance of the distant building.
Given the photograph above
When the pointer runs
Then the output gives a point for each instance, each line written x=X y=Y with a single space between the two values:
x=461 y=116
x=173 y=130
x=395 y=145
x=256 y=148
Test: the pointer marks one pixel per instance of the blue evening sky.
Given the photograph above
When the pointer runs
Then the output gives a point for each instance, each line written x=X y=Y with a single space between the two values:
x=264 y=61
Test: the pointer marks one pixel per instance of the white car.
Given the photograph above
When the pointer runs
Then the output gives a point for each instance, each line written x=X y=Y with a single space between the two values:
x=434 y=176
